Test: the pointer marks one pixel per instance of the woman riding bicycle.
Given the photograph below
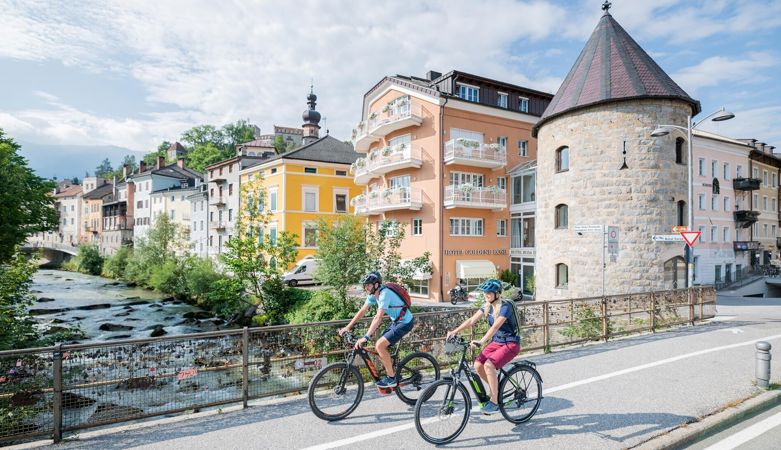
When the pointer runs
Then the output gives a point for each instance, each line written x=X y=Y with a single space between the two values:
x=505 y=343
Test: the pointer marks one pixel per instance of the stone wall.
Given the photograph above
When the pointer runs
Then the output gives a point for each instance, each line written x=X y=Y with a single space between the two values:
x=641 y=201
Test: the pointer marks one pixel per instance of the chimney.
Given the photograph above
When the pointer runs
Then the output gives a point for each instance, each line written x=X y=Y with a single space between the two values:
x=125 y=168
x=771 y=148
x=142 y=166
x=180 y=163
x=763 y=146
x=432 y=75
x=114 y=186
x=160 y=162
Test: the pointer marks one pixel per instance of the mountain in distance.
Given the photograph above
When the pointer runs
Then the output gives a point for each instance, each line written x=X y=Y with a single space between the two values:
x=68 y=161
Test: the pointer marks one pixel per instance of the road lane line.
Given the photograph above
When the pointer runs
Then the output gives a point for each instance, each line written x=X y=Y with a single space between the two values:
x=748 y=434
x=396 y=429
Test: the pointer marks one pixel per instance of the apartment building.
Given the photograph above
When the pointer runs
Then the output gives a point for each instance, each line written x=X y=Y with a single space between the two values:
x=68 y=203
x=765 y=167
x=199 y=222
x=175 y=203
x=439 y=152
x=117 y=220
x=92 y=202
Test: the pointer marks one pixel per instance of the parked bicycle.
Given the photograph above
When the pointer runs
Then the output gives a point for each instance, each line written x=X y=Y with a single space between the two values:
x=443 y=408
x=337 y=389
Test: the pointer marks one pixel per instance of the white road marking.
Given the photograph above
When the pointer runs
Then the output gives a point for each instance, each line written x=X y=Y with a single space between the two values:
x=396 y=429
x=748 y=434
x=720 y=319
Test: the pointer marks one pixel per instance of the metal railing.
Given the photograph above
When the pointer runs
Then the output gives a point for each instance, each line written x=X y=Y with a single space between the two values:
x=54 y=390
x=476 y=197
x=456 y=149
x=388 y=200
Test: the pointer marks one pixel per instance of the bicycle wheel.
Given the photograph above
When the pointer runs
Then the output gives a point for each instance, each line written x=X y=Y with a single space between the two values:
x=521 y=393
x=438 y=419
x=415 y=373
x=335 y=391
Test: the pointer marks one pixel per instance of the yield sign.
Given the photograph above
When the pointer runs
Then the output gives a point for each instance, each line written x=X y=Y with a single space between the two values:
x=690 y=237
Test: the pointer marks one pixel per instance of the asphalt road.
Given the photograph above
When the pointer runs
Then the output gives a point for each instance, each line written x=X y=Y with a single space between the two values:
x=605 y=396
x=761 y=432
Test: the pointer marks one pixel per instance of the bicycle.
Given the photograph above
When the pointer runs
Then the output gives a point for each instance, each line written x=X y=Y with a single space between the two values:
x=438 y=405
x=337 y=389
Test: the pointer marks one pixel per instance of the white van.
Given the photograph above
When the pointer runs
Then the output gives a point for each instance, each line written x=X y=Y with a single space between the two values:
x=302 y=273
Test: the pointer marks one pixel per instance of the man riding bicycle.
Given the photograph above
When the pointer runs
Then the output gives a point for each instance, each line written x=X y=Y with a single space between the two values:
x=388 y=302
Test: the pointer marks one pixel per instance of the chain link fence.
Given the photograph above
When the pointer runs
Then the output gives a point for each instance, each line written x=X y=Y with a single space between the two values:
x=55 y=390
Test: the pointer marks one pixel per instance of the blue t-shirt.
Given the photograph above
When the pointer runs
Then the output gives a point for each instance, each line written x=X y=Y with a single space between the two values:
x=391 y=303
x=509 y=330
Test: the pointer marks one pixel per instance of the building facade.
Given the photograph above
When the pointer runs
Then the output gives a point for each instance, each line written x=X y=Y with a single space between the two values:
x=92 y=202
x=764 y=204
x=439 y=151
x=68 y=201
x=117 y=230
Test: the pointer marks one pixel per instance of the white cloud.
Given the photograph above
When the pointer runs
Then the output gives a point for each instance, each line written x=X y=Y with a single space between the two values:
x=719 y=69
x=762 y=123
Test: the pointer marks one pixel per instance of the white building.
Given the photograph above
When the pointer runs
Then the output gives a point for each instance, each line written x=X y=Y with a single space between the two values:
x=199 y=222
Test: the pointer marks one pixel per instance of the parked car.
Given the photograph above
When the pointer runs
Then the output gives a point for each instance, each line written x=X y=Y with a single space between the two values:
x=302 y=273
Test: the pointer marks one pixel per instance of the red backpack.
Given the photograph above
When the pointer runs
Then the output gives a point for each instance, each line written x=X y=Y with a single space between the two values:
x=403 y=294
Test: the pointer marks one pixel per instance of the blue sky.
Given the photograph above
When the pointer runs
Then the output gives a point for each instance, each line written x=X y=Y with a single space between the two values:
x=132 y=74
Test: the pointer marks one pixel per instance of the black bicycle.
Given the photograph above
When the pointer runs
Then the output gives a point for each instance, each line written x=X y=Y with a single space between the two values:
x=442 y=410
x=337 y=389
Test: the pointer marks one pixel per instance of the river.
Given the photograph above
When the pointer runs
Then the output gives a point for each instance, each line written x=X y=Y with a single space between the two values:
x=107 y=309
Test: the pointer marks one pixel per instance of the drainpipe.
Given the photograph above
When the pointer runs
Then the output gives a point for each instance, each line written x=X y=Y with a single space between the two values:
x=442 y=195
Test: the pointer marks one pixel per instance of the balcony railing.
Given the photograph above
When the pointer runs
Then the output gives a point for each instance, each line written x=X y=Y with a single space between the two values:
x=401 y=113
x=746 y=184
x=217 y=225
x=217 y=200
x=748 y=217
x=386 y=160
x=474 y=153
x=388 y=200
x=117 y=223
x=465 y=196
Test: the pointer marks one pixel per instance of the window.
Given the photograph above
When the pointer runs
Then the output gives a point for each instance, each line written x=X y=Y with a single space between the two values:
x=739 y=171
x=501 y=183
x=502 y=103
x=701 y=167
x=755 y=173
x=340 y=203
x=714 y=203
x=562 y=275
x=466 y=227
x=561 y=216
x=310 y=235
x=713 y=164
x=679 y=150
x=775 y=180
x=459 y=178
x=417 y=227
x=469 y=93
x=702 y=233
x=726 y=203
x=419 y=287
x=701 y=201
x=341 y=173
x=310 y=169
x=765 y=229
x=272 y=199
x=501 y=228
x=502 y=141
x=523 y=148
x=523 y=104
x=562 y=159
x=172 y=214
x=230 y=189
x=310 y=199
x=681 y=212
x=773 y=204
x=764 y=203
x=756 y=201
x=273 y=170
x=230 y=214
x=718 y=273
x=272 y=235
x=764 y=177
x=773 y=231
x=725 y=234
x=713 y=233
x=726 y=171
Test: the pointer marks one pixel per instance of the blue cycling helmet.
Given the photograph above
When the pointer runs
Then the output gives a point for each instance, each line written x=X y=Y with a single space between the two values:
x=490 y=286
x=371 y=278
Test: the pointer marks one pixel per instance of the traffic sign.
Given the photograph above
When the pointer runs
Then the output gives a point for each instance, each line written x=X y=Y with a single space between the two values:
x=588 y=228
x=680 y=228
x=690 y=237
x=667 y=238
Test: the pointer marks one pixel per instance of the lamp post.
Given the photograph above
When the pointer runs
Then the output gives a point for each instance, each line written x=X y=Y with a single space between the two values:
x=663 y=130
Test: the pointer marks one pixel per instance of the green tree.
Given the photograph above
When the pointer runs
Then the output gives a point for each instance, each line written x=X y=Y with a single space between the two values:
x=162 y=149
x=89 y=260
x=255 y=258
x=237 y=133
x=27 y=203
x=382 y=247
x=130 y=162
x=279 y=145
x=104 y=169
x=204 y=155
x=202 y=135
x=341 y=253
x=16 y=327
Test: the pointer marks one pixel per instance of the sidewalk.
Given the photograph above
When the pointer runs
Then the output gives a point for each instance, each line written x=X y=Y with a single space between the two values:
x=621 y=394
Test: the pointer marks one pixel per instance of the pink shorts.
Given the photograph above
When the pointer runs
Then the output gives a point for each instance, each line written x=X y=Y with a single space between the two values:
x=499 y=353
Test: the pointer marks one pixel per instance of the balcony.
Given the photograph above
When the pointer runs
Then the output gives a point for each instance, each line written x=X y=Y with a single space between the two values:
x=746 y=184
x=218 y=201
x=117 y=223
x=397 y=114
x=470 y=152
x=743 y=246
x=392 y=199
x=746 y=217
x=467 y=196
x=388 y=159
x=217 y=225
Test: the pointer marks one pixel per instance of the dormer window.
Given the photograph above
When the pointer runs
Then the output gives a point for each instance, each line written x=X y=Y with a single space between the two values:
x=468 y=92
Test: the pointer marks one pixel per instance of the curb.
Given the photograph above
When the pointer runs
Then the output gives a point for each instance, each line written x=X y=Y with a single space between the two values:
x=688 y=433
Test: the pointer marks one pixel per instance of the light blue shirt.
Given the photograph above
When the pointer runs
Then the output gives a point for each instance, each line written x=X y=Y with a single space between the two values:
x=391 y=304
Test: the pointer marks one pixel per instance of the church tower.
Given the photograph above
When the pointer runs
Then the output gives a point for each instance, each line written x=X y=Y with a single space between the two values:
x=311 y=118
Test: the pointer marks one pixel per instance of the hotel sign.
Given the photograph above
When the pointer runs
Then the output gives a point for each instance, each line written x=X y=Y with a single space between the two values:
x=522 y=251
x=496 y=251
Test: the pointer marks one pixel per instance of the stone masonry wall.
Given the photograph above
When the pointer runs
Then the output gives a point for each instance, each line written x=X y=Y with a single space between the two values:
x=641 y=201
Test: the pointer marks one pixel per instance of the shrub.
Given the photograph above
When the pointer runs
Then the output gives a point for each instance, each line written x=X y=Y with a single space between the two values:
x=323 y=306
x=114 y=266
x=509 y=276
x=168 y=278
x=226 y=297
x=199 y=277
x=89 y=260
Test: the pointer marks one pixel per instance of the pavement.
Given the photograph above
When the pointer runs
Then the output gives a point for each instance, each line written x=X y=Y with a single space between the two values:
x=647 y=391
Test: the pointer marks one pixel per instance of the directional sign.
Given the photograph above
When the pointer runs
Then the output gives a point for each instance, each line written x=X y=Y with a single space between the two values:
x=588 y=228
x=680 y=228
x=690 y=237
x=612 y=243
x=667 y=238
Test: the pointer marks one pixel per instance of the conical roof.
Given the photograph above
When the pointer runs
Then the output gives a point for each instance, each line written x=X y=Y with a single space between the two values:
x=612 y=67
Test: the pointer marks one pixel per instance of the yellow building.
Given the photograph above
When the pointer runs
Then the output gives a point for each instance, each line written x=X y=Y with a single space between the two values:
x=304 y=185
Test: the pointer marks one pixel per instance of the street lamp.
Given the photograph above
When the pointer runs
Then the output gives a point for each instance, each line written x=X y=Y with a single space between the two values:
x=663 y=130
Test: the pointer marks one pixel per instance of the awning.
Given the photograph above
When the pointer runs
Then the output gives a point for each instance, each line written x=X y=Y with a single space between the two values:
x=479 y=268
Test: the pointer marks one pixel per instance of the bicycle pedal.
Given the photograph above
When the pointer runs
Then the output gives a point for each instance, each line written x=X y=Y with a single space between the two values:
x=385 y=391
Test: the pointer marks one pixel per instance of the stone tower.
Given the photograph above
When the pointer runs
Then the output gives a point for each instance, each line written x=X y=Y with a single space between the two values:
x=610 y=101
x=311 y=118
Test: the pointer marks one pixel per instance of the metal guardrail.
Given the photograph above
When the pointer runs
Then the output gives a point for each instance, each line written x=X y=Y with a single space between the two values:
x=53 y=390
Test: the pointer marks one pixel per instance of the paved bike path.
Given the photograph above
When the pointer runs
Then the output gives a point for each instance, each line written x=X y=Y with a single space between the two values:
x=605 y=396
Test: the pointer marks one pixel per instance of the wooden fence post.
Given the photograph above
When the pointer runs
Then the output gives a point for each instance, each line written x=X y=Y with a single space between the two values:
x=545 y=328
x=691 y=306
x=604 y=319
x=245 y=366
x=652 y=313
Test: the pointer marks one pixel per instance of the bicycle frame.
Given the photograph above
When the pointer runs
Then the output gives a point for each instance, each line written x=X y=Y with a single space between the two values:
x=364 y=354
x=475 y=383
